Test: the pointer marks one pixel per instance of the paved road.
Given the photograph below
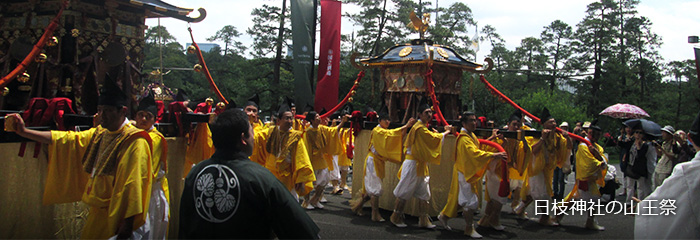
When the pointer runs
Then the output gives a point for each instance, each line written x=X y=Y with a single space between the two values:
x=337 y=222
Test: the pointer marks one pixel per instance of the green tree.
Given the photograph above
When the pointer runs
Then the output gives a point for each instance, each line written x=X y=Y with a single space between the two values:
x=555 y=38
x=228 y=34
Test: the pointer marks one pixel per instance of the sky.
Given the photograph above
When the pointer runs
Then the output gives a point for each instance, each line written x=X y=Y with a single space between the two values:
x=673 y=20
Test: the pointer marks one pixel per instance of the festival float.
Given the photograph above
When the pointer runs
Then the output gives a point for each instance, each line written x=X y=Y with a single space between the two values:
x=54 y=56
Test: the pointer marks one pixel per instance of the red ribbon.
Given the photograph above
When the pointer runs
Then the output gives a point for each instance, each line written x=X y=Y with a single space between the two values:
x=347 y=96
x=206 y=70
x=503 y=97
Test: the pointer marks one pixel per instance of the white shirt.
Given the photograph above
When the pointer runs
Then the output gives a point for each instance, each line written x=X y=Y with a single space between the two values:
x=683 y=186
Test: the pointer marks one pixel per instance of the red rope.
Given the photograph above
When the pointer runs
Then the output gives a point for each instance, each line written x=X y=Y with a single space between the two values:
x=347 y=96
x=206 y=69
x=48 y=32
x=502 y=96
x=431 y=92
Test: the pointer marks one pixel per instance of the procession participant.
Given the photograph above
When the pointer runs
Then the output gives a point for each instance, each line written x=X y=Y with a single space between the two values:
x=591 y=165
x=316 y=138
x=228 y=196
x=159 y=207
x=283 y=152
x=421 y=147
x=108 y=167
x=298 y=123
x=520 y=156
x=204 y=107
x=679 y=192
x=470 y=164
x=341 y=160
x=251 y=109
x=384 y=145
x=551 y=150
x=519 y=153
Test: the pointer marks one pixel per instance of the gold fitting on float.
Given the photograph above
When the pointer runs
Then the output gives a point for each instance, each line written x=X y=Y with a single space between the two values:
x=75 y=32
x=353 y=92
x=197 y=68
x=350 y=99
x=5 y=91
x=191 y=49
x=41 y=58
x=53 y=41
x=23 y=78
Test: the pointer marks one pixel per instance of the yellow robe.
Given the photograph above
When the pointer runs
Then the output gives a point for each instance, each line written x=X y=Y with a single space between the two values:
x=112 y=198
x=159 y=159
x=588 y=169
x=471 y=161
x=284 y=154
x=388 y=147
x=425 y=147
x=342 y=147
x=554 y=153
x=298 y=125
x=318 y=141
x=200 y=147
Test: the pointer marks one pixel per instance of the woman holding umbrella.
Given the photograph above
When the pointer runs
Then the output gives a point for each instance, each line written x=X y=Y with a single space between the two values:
x=641 y=157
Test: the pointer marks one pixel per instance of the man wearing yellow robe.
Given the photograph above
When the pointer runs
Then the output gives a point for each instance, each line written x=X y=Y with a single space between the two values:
x=317 y=138
x=591 y=167
x=519 y=154
x=422 y=146
x=283 y=151
x=251 y=109
x=107 y=167
x=470 y=165
x=159 y=207
x=551 y=150
x=384 y=145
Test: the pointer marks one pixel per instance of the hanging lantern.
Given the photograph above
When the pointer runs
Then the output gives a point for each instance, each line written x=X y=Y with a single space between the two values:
x=5 y=91
x=53 y=41
x=23 y=78
x=191 y=49
x=197 y=68
x=41 y=58
x=75 y=32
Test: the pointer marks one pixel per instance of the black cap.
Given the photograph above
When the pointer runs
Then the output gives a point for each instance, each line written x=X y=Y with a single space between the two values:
x=544 y=116
x=181 y=96
x=423 y=104
x=348 y=109
x=111 y=94
x=253 y=101
x=148 y=104
x=308 y=108
x=517 y=115
x=290 y=101
x=594 y=125
x=323 y=111
x=283 y=107
x=384 y=113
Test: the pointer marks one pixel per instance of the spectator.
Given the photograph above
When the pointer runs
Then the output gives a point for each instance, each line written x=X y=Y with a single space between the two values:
x=229 y=196
x=682 y=187
x=669 y=154
x=625 y=141
x=640 y=169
